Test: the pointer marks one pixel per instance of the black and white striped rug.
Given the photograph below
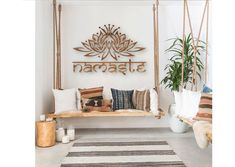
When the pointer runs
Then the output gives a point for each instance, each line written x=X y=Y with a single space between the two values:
x=122 y=154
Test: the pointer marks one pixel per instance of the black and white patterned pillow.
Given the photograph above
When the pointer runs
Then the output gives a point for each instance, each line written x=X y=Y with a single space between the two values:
x=92 y=102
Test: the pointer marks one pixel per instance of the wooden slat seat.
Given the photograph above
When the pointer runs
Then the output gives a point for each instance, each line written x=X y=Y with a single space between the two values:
x=186 y=120
x=105 y=114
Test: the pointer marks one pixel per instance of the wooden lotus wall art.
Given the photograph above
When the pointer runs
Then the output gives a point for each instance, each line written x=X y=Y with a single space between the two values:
x=109 y=42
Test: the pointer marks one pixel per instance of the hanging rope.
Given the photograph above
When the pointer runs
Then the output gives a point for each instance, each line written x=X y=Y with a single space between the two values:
x=59 y=48
x=182 y=67
x=154 y=35
x=195 y=46
x=55 y=86
x=156 y=49
x=56 y=46
x=207 y=44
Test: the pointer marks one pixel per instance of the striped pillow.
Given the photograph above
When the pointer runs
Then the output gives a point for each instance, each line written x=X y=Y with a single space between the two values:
x=92 y=93
x=141 y=100
x=122 y=99
x=205 y=108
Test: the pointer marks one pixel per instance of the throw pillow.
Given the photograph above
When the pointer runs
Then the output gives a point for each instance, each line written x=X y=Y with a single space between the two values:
x=141 y=100
x=153 y=101
x=206 y=89
x=92 y=102
x=65 y=100
x=92 y=93
x=122 y=99
x=205 y=108
x=79 y=106
x=96 y=105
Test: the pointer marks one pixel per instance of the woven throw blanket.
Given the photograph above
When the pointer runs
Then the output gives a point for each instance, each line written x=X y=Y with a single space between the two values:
x=122 y=154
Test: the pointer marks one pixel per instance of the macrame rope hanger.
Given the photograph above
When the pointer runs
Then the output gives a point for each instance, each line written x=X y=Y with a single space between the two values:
x=195 y=46
x=156 y=49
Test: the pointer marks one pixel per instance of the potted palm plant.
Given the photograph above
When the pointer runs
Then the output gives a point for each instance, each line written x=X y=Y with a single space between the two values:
x=172 y=79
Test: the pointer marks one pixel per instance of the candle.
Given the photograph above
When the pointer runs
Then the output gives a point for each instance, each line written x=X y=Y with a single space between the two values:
x=65 y=139
x=42 y=117
x=59 y=134
x=49 y=119
x=71 y=134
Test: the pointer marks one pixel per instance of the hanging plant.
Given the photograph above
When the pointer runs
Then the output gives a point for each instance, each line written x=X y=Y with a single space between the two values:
x=172 y=79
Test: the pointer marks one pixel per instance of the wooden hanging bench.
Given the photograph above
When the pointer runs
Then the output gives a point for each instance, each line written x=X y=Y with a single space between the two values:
x=106 y=114
x=57 y=71
x=190 y=122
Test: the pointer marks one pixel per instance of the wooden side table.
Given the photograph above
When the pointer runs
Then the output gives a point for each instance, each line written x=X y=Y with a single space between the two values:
x=45 y=133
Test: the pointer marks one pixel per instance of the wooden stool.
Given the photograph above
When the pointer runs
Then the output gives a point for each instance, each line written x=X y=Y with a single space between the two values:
x=45 y=133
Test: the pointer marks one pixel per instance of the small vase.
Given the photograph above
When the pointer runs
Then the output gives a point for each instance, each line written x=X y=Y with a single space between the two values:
x=59 y=134
x=65 y=139
x=42 y=117
x=71 y=134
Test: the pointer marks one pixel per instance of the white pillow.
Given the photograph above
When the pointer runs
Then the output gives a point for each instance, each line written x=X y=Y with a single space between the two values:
x=190 y=103
x=79 y=106
x=178 y=102
x=65 y=100
x=153 y=101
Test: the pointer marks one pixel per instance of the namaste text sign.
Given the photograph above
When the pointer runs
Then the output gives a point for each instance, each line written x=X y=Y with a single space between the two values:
x=109 y=42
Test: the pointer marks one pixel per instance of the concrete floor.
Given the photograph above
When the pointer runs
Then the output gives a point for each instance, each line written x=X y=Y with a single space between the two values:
x=183 y=144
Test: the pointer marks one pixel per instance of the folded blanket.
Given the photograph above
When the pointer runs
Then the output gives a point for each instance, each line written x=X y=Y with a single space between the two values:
x=201 y=128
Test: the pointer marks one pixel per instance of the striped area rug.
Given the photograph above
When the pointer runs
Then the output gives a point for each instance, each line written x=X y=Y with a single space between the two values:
x=122 y=154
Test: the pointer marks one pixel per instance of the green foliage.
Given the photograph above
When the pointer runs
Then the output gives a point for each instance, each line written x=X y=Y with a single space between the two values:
x=172 y=79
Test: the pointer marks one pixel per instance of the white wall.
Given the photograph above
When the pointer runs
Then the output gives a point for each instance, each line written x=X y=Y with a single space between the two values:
x=44 y=57
x=80 y=22
x=82 y=18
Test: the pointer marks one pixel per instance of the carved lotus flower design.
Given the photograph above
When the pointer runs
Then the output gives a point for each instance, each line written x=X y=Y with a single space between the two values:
x=109 y=42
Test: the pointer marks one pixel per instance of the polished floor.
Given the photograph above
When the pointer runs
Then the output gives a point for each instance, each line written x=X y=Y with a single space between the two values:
x=183 y=144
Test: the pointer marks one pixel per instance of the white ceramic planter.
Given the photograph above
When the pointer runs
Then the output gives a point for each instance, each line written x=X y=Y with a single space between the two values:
x=176 y=125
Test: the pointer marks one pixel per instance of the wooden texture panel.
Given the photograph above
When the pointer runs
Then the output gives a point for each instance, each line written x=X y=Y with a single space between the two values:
x=45 y=133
